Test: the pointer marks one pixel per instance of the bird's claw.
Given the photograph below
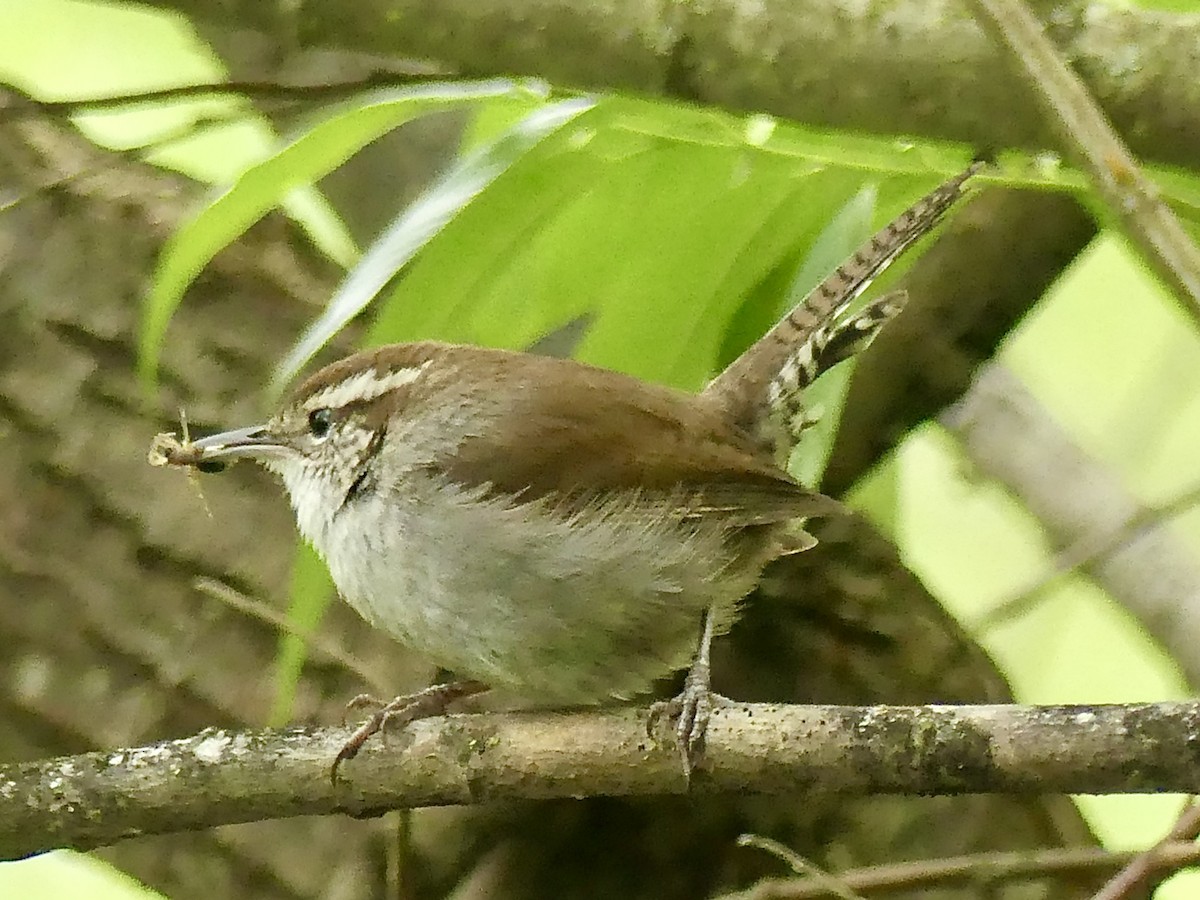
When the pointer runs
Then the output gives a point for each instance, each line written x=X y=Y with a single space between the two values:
x=398 y=713
x=690 y=711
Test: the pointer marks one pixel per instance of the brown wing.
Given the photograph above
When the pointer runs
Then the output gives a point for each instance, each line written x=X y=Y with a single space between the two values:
x=575 y=430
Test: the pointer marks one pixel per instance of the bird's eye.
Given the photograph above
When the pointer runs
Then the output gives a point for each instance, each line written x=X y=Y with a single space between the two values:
x=319 y=422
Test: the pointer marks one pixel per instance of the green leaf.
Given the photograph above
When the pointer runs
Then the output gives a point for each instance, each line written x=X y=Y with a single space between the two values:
x=665 y=224
x=264 y=186
x=418 y=224
x=311 y=593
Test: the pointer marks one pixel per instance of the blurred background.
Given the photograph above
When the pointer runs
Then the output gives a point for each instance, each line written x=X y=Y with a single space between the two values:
x=647 y=190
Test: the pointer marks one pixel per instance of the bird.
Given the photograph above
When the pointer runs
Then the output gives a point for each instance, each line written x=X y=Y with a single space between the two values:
x=563 y=533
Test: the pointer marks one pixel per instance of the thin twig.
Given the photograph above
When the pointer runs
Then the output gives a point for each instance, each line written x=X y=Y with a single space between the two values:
x=808 y=870
x=1152 y=862
x=1087 y=134
x=1007 y=435
x=315 y=642
x=974 y=869
x=1089 y=549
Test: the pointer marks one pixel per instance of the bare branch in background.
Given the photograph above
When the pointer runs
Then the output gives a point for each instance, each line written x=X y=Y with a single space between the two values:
x=991 y=869
x=1144 y=867
x=1090 y=549
x=317 y=643
x=1010 y=436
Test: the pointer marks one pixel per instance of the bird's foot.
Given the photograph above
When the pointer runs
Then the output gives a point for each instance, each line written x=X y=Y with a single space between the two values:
x=690 y=711
x=397 y=713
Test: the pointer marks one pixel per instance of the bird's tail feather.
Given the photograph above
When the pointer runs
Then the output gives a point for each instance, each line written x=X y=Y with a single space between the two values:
x=764 y=382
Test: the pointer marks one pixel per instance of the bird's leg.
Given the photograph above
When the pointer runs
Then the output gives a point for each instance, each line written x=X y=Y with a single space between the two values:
x=693 y=706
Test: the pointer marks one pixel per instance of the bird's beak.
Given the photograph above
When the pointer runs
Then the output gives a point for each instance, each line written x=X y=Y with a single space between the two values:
x=254 y=442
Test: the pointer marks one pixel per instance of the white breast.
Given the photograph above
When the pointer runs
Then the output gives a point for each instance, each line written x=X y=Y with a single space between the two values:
x=555 y=609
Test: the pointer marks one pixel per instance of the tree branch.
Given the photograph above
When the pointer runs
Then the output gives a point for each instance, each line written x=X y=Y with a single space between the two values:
x=220 y=777
x=1085 y=132
x=900 y=66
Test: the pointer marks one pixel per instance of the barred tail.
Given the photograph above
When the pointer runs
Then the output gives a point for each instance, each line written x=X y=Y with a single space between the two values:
x=830 y=344
x=809 y=339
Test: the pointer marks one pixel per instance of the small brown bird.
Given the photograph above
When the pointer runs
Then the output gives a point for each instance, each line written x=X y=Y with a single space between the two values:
x=562 y=532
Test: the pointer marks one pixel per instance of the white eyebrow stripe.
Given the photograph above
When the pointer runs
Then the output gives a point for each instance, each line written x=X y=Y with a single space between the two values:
x=364 y=386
